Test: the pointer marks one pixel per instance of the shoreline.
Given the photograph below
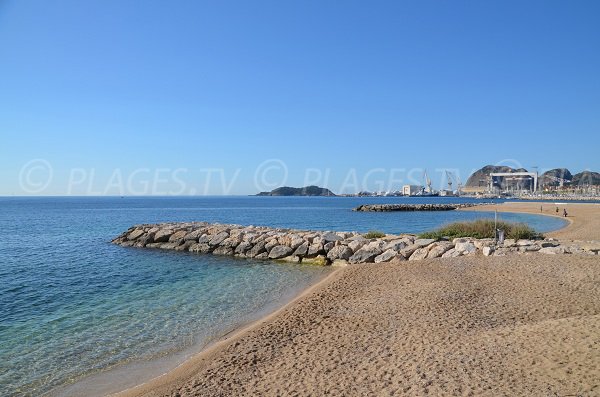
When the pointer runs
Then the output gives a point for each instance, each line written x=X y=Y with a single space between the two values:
x=584 y=222
x=186 y=371
x=191 y=365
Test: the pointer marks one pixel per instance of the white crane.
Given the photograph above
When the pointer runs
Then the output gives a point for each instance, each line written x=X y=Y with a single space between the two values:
x=427 y=182
x=451 y=178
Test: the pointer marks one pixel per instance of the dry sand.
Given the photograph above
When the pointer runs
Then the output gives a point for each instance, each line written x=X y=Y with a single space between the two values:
x=499 y=326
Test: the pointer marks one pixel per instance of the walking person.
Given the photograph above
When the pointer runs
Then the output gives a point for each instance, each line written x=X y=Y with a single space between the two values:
x=565 y=212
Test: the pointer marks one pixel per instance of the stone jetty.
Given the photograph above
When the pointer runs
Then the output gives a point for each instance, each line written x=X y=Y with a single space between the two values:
x=413 y=207
x=326 y=248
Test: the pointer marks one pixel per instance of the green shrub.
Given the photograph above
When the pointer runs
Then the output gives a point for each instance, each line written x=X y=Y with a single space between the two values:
x=374 y=234
x=483 y=228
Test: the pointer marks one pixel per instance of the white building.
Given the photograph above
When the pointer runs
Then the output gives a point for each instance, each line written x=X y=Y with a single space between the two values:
x=411 y=190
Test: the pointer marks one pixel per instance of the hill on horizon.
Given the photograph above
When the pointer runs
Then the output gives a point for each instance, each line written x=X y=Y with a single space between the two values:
x=299 y=191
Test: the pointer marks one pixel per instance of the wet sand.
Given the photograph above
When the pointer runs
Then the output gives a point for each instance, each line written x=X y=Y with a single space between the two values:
x=468 y=326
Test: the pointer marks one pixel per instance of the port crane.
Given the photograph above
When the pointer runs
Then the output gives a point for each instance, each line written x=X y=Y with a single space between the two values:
x=451 y=177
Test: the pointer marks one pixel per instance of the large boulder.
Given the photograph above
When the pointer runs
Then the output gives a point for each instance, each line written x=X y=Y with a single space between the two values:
x=386 y=256
x=280 y=251
x=243 y=247
x=424 y=242
x=218 y=238
x=366 y=254
x=339 y=252
x=452 y=253
x=135 y=234
x=302 y=249
x=397 y=244
x=259 y=248
x=315 y=249
x=355 y=245
x=178 y=237
x=194 y=235
x=439 y=249
x=163 y=235
x=552 y=250
x=419 y=254
x=465 y=247
x=331 y=237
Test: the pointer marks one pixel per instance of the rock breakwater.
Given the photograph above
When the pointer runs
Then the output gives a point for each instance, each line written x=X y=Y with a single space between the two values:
x=325 y=248
x=413 y=207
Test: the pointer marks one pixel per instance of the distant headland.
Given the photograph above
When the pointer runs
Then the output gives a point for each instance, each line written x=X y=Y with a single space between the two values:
x=299 y=191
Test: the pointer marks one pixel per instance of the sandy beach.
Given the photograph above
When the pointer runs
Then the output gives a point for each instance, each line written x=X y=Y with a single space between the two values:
x=518 y=325
x=584 y=218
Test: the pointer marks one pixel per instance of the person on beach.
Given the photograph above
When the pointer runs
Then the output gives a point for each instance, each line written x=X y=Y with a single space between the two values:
x=557 y=210
x=565 y=212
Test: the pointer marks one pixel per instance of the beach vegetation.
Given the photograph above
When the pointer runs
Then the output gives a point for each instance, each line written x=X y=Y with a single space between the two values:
x=483 y=228
x=374 y=234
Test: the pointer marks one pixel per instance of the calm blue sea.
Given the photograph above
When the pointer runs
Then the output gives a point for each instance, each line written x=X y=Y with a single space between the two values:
x=75 y=309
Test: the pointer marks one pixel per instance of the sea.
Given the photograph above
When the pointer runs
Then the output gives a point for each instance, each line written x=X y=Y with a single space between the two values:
x=80 y=316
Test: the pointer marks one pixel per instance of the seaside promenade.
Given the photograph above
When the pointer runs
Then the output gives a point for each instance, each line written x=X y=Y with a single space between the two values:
x=481 y=326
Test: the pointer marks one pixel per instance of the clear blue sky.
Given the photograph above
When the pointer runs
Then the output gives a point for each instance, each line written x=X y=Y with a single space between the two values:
x=91 y=87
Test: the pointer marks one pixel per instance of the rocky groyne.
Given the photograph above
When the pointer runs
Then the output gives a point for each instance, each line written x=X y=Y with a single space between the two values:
x=326 y=248
x=412 y=207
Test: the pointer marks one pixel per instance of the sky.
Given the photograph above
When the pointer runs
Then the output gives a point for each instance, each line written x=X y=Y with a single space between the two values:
x=234 y=97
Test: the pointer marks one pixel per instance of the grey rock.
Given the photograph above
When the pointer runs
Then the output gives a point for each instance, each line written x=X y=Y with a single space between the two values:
x=397 y=245
x=466 y=248
x=163 y=235
x=439 y=249
x=419 y=254
x=185 y=246
x=271 y=244
x=339 y=252
x=135 y=234
x=145 y=239
x=296 y=242
x=315 y=249
x=177 y=236
x=194 y=235
x=243 y=247
x=487 y=251
x=301 y=250
x=203 y=248
x=424 y=242
x=452 y=253
x=327 y=247
x=355 y=245
x=259 y=248
x=223 y=250
x=218 y=238
x=552 y=250
x=280 y=251
x=365 y=255
x=386 y=256
x=408 y=251
x=168 y=246
x=329 y=237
